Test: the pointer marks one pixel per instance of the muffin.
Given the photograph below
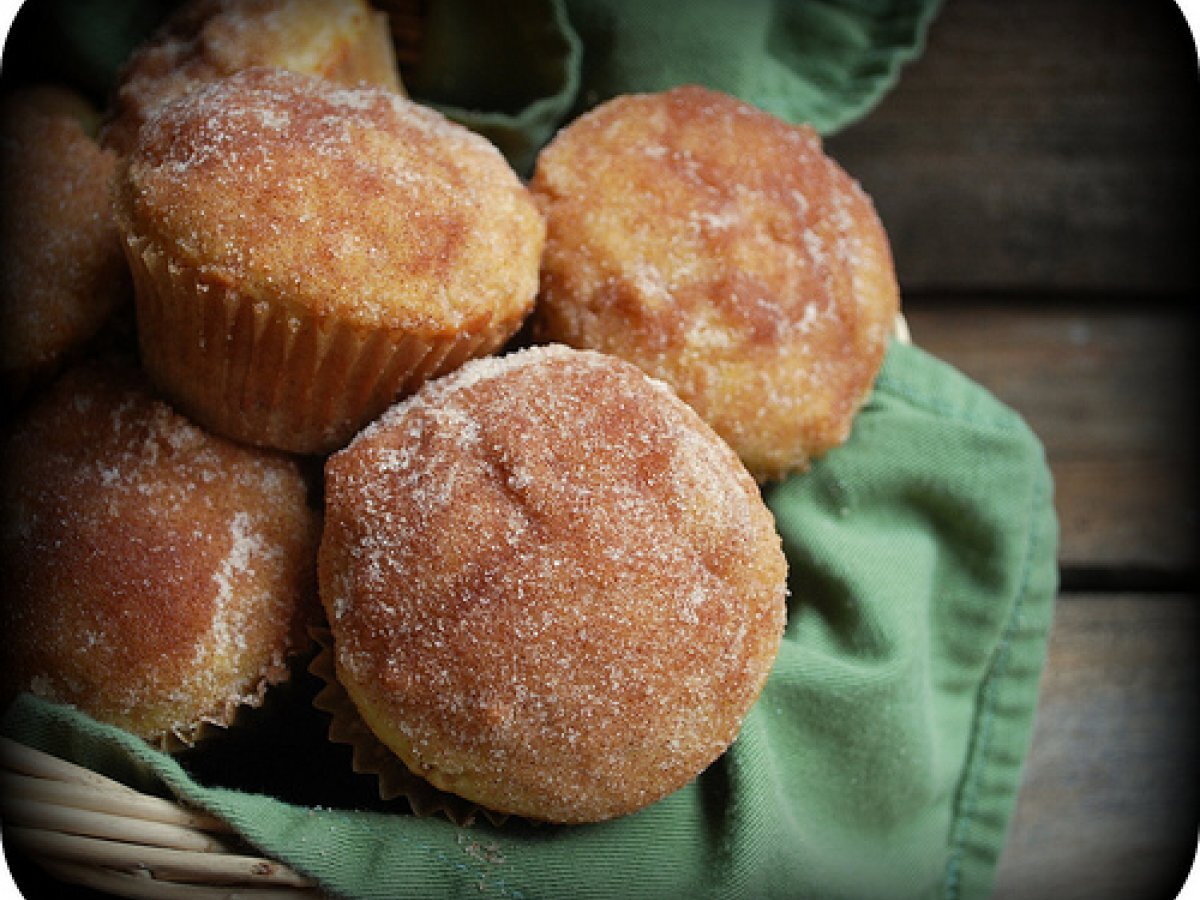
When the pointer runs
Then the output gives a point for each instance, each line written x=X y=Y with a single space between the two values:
x=156 y=577
x=719 y=249
x=64 y=273
x=52 y=99
x=345 y=41
x=552 y=589
x=303 y=254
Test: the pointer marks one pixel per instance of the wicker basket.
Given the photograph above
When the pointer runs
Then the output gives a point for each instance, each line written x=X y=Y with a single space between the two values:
x=89 y=830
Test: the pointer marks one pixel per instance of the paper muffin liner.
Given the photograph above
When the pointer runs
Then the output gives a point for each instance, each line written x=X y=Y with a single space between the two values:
x=229 y=715
x=256 y=372
x=370 y=756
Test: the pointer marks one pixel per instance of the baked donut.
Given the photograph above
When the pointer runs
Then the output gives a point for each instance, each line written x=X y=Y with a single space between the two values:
x=304 y=253
x=553 y=590
x=64 y=274
x=345 y=41
x=719 y=249
x=157 y=577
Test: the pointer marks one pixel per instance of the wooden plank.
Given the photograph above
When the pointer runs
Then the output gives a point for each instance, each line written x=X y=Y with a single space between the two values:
x=1097 y=381
x=1109 y=804
x=1110 y=391
x=1123 y=516
x=1040 y=145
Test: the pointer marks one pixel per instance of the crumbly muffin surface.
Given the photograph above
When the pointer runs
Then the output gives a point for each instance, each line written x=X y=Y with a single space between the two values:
x=553 y=589
x=345 y=41
x=63 y=274
x=156 y=576
x=718 y=248
x=352 y=203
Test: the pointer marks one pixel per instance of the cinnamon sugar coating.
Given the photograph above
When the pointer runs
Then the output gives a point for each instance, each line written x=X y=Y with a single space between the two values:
x=553 y=589
x=304 y=253
x=345 y=41
x=156 y=576
x=720 y=249
x=63 y=274
x=335 y=202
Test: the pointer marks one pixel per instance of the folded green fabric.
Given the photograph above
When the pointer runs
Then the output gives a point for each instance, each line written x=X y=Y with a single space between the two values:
x=509 y=71
x=825 y=62
x=516 y=71
x=882 y=759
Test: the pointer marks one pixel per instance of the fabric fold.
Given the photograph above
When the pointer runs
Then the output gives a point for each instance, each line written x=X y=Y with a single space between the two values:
x=883 y=757
x=518 y=71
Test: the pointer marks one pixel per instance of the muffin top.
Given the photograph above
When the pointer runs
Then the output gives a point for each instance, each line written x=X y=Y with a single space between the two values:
x=336 y=202
x=553 y=589
x=156 y=575
x=720 y=249
x=204 y=40
x=63 y=273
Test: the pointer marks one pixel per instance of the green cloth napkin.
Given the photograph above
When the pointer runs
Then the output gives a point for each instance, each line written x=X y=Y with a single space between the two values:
x=825 y=62
x=516 y=71
x=882 y=759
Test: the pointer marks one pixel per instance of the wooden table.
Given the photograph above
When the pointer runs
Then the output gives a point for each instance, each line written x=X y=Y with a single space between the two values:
x=1038 y=170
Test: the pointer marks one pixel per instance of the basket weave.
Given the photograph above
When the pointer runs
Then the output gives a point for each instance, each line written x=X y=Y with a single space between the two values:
x=89 y=830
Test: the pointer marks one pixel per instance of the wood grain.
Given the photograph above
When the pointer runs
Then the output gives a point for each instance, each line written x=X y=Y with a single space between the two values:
x=1039 y=175
x=1109 y=806
x=1110 y=391
x=1040 y=145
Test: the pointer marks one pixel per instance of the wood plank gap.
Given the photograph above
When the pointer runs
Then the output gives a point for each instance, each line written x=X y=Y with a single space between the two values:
x=1110 y=798
x=1033 y=301
x=1124 y=579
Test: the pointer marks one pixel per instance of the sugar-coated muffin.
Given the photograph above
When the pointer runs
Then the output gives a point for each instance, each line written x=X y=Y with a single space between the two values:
x=63 y=274
x=304 y=253
x=553 y=590
x=346 y=41
x=51 y=99
x=157 y=577
x=720 y=249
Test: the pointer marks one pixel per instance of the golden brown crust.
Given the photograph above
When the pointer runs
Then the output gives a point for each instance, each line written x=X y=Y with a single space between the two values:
x=553 y=589
x=156 y=576
x=342 y=243
x=63 y=272
x=342 y=202
x=721 y=250
x=345 y=41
